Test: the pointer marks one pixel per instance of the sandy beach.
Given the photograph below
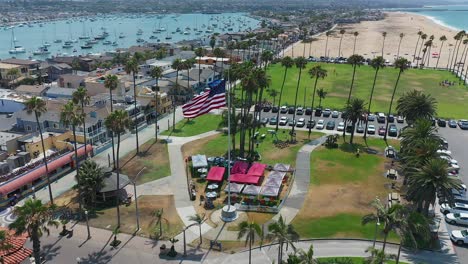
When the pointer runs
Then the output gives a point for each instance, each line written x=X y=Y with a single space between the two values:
x=369 y=40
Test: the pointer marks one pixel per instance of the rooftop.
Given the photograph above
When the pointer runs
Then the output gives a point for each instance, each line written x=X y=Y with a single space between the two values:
x=20 y=62
x=7 y=136
x=31 y=89
x=7 y=66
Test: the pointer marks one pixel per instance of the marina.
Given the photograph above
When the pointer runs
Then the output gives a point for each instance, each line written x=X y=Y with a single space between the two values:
x=84 y=35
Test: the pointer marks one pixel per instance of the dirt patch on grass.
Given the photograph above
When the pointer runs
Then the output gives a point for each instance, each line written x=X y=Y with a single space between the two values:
x=154 y=156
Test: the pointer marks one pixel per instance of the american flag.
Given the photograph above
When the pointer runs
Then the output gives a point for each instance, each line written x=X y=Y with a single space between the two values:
x=212 y=98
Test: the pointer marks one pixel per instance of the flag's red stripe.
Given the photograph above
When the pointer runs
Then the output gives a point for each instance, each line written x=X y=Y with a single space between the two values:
x=215 y=100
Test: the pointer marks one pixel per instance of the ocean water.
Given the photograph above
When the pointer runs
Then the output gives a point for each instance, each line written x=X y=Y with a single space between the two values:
x=452 y=16
x=33 y=36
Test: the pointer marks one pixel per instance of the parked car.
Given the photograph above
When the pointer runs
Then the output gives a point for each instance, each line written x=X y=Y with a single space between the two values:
x=456 y=208
x=318 y=111
x=360 y=129
x=274 y=109
x=371 y=129
x=310 y=124
x=320 y=124
x=340 y=126
x=264 y=121
x=273 y=121
x=292 y=123
x=291 y=110
x=349 y=128
x=300 y=111
x=390 y=118
x=392 y=130
x=283 y=121
x=308 y=111
x=441 y=122
x=284 y=109
x=381 y=117
x=400 y=119
x=463 y=124
x=452 y=123
x=460 y=219
x=371 y=117
x=266 y=108
x=382 y=131
x=326 y=112
x=459 y=236
x=330 y=125
x=301 y=122
x=335 y=114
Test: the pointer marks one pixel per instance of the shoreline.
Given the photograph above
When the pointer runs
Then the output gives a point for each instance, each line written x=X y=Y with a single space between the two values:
x=433 y=19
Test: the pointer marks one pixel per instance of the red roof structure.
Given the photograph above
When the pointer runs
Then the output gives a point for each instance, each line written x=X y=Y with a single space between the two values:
x=29 y=177
x=245 y=178
x=17 y=253
x=240 y=167
x=257 y=169
x=216 y=174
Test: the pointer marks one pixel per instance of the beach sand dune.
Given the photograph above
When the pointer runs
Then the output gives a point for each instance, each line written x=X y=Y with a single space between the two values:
x=369 y=41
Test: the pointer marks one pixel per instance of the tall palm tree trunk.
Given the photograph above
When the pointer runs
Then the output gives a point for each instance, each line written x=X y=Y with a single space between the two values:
x=279 y=99
x=416 y=48
x=370 y=102
x=312 y=106
x=463 y=55
x=295 y=103
x=352 y=132
x=136 y=114
x=112 y=134
x=117 y=201
x=349 y=96
x=398 y=254
x=339 y=47
x=398 y=51
x=250 y=248
x=454 y=58
x=440 y=53
x=84 y=127
x=36 y=245
x=391 y=103
x=173 y=103
x=80 y=197
x=156 y=110
x=354 y=46
x=44 y=157
x=384 y=242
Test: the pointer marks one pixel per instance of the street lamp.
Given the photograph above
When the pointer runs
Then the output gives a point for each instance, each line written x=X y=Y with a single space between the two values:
x=136 y=199
x=87 y=223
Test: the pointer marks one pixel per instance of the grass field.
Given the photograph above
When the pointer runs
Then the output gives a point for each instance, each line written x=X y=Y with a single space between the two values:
x=342 y=186
x=450 y=99
x=154 y=156
x=199 y=125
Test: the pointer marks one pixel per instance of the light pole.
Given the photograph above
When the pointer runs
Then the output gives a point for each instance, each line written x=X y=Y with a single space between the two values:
x=87 y=223
x=34 y=192
x=136 y=199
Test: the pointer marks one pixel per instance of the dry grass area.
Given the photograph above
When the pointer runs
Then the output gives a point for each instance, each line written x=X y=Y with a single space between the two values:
x=154 y=156
x=106 y=218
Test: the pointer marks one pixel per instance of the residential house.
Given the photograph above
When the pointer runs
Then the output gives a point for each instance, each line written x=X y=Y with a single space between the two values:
x=54 y=71
x=162 y=100
x=60 y=93
x=11 y=74
x=8 y=142
x=26 y=65
x=32 y=90
x=71 y=81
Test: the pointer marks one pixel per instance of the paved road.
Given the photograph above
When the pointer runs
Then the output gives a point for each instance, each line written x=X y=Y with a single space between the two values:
x=457 y=140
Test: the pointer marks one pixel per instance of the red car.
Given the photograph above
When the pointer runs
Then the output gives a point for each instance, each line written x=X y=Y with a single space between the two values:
x=382 y=131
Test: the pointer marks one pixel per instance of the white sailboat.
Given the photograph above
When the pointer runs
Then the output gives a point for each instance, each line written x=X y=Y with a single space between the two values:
x=15 y=48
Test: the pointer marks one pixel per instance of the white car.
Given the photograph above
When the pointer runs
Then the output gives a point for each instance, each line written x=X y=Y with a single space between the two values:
x=461 y=219
x=457 y=208
x=459 y=236
x=283 y=121
x=445 y=152
x=320 y=124
x=371 y=129
x=340 y=126
x=300 y=122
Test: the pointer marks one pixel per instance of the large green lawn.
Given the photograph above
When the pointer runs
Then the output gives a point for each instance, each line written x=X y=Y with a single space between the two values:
x=451 y=100
x=192 y=127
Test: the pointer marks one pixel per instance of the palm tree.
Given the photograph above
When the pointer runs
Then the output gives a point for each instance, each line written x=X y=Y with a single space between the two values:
x=131 y=67
x=156 y=73
x=399 y=44
x=442 y=39
x=112 y=82
x=421 y=130
x=118 y=122
x=38 y=106
x=249 y=230
x=417 y=43
x=378 y=256
x=429 y=53
x=426 y=181
x=81 y=97
x=463 y=55
x=427 y=46
x=342 y=32
x=287 y=62
x=266 y=57
x=321 y=93
x=177 y=65
x=199 y=52
x=401 y=64
x=389 y=216
x=34 y=218
x=301 y=63
x=384 y=36
x=415 y=105
x=353 y=112
x=212 y=43
x=284 y=233
x=459 y=38
x=356 y=34
x=90 y=179
x=355 y=61
x=376 y=63
x=327 y=34
x=218 y=53
x=199 y=219
x=73 y=116
x=273 y=93
x=315 y=72
x=307 y=257
x=423 y=39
